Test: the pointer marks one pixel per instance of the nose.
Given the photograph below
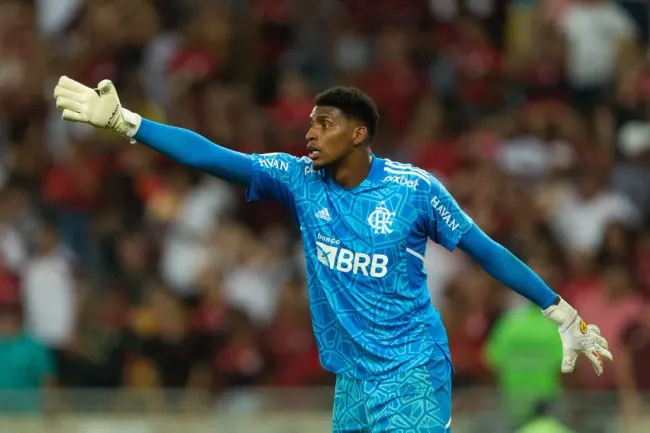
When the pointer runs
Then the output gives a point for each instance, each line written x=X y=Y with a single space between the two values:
x=311 y=134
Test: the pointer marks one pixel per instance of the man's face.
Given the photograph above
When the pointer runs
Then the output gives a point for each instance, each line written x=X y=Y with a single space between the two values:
x=331 y=136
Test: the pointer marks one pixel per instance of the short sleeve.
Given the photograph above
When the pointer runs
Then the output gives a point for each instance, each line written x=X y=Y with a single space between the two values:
x=446 y=221
x=275 y=177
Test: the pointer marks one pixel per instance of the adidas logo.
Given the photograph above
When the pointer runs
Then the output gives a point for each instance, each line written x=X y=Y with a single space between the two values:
x=324 y=214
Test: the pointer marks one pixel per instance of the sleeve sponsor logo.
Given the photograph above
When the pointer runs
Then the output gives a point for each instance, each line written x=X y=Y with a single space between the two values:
x=274 y=163
x=444 y=214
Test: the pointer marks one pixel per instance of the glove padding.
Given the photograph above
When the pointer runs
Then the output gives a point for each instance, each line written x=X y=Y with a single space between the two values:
x=98 y=107
x=577 y=337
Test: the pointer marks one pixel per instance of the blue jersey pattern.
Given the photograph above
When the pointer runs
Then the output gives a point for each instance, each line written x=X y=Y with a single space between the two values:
x=364 y=247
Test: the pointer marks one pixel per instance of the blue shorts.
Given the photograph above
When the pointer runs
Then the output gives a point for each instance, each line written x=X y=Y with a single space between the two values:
x=407 y=402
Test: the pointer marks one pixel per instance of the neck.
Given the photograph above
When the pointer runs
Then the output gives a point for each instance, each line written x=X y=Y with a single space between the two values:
x=352 y=170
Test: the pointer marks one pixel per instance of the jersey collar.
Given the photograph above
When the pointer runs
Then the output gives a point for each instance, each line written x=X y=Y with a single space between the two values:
x=376 y=169
x=374 y=175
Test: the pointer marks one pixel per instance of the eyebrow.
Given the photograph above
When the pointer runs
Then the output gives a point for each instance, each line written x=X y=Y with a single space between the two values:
x=320 y=118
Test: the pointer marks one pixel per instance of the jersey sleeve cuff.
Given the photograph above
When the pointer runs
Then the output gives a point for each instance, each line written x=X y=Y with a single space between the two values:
x=451 y=242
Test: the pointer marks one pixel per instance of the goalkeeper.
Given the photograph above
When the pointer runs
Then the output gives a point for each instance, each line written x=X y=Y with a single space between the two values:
x=364 y=222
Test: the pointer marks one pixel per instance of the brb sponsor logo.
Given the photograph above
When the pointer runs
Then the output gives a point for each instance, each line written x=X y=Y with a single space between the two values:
x=344 y=260
x=403 y=181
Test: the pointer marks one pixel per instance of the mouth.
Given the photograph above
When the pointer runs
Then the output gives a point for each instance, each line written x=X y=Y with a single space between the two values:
x=312 y=152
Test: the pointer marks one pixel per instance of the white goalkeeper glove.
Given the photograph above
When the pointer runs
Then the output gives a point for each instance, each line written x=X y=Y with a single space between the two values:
x=98 y=107
x=577 y=337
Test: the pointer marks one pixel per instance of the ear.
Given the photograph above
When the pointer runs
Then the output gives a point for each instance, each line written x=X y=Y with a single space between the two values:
x=359 y=135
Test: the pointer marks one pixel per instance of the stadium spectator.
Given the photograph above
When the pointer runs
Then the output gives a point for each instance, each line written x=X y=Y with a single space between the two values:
x=27 y=365
x=525 y=354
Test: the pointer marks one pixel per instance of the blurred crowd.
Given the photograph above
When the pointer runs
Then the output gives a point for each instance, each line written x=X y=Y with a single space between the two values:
x=120 y=268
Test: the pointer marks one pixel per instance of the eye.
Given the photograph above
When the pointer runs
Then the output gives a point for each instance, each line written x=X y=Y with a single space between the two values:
x=326 y=125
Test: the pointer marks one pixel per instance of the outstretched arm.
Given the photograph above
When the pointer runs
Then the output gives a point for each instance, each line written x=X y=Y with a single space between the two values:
x=101 y=108
x=506 y=268
x=577 y=336
x=191 y=149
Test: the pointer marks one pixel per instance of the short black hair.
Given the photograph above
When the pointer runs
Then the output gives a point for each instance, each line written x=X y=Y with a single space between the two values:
x=353 y=103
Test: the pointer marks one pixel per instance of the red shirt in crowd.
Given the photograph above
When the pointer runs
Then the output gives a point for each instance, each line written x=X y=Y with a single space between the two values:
x=476 y=64
x=295 y=353
x=395 y=88
x=613 y=318
x=441 y=157
x=74 y=187
x=9 y=287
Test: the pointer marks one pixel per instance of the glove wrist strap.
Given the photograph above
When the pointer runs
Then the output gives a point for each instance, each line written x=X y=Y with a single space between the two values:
x=132 y=122
x=563 y=314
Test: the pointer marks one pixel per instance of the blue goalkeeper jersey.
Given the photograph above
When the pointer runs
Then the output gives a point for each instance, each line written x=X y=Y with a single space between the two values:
x=364 y=248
